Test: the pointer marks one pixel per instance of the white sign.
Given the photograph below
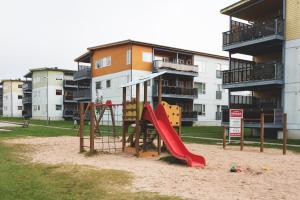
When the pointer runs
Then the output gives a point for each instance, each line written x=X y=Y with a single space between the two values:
x=235 y=116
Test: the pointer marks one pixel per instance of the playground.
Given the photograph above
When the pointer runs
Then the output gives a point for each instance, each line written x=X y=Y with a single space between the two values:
x=267 y=175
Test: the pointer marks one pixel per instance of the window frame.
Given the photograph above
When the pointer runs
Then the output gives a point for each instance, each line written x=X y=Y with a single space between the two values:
x=57 y=92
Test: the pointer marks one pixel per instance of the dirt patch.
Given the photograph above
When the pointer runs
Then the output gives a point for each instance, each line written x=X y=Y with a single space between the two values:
x=268 y=175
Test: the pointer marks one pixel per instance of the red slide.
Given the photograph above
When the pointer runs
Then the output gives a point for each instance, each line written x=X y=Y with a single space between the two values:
x=170 y=137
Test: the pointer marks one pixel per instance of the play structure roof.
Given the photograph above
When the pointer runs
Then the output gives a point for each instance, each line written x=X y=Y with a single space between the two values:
x=143 y=79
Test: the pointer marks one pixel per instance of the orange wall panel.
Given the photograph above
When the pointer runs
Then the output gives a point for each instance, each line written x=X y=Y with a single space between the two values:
x=137 y=58
x=118 y=60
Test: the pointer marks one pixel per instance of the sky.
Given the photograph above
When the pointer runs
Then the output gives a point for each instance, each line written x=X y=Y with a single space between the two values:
x=52 y=33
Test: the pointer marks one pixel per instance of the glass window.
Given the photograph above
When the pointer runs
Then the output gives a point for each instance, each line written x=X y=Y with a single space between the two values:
x=98 y=85
x=200 y=109
x=128 y=57
x=20 y=96
x=58 y=107
x=201 y=88
x=19 y=86
x=20 y=107
x=147 y=57
x=108 y=84
x=58 y=92
x=103 y=62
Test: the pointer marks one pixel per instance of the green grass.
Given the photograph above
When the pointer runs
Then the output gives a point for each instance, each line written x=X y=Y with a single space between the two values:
x=21 y=180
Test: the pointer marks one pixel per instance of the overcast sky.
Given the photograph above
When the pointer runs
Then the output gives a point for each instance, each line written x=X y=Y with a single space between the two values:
x=51 y=33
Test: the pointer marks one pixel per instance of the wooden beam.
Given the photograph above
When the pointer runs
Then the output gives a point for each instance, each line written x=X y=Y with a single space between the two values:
x=262 y=131
x=81 y=127
x=224 y=137
x=137 y=120
x=124 y=132
x=285 y=134
x=92 y=127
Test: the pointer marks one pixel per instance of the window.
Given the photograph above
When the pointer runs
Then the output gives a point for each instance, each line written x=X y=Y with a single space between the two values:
x=59 y=78
x=147 y=57
x=20 y=96
x=19 y=86
x=201 y=88
x=103 y=62
x=165 y=82
x=38 y=107
x=108 y=84
x=58 y=92
x=200 y=109
x=128 y=57
x=58 y=107
x=98 y=85
x=218 y=71
x=20 y=107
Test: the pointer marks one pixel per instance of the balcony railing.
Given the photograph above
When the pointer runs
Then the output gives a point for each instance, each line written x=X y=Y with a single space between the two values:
x=190 y=116
x=70 y=83
x=82 y=94
x=27 y=100
x=252 y=116
x=27 y=86
x=69 y=98
x=253 y=72
x=176 y=91
x=84 y=72
x=181 y=67
x=237 y=101
x=248 y=32
x=69 y=113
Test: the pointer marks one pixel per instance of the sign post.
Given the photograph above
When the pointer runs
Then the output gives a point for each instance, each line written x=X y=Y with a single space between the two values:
x=235 y=129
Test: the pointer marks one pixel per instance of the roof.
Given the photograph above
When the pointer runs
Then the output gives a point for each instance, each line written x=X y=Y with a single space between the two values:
x=143 y=79
x=46 y=69
x=11 y=80
x=252 y=9
x=90 y=49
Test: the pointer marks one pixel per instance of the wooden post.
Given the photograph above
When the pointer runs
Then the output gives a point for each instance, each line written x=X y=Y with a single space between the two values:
x=137 y=120
x=81 y=127
x=180 y=123
x=145 y=131
x=124 y=114
x=224 y=137
x=242 y=135
x=92 y=127
x=285 y=134
x=159 y=90
x=262 y=131
x=159 y=101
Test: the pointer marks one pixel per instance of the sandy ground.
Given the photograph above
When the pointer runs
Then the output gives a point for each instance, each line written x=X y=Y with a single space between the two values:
x=268 y=175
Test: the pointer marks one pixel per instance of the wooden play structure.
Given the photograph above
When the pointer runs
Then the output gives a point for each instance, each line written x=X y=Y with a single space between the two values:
x=141 y=140
x=261 y=121
x=103 y=133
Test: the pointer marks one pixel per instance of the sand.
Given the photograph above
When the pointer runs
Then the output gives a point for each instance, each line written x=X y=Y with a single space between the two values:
x=268 y=175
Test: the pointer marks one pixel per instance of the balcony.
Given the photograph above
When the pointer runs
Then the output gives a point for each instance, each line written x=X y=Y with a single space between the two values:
x=69 y=99
x=251 y=102
x=70 y=84
x=175 y=68
x=27 y=87
x=84 y=72
x=68 y=113
x=272 y=117
x=82 y=94
x=176 y=92
x=189 y=116
x=27 y=100
x=248 y=74
x=253 y=38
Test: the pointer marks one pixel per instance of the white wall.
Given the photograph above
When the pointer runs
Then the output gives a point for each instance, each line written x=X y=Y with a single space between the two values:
x=207 y=74
x=40 y=95
x=11 y=103
x=292 y=87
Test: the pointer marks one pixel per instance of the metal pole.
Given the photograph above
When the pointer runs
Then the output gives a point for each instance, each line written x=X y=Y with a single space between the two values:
x=81 y=127
x=124 y=114
x=285 y=134
x=242 y=135
x=92 y=127
x=262 y=131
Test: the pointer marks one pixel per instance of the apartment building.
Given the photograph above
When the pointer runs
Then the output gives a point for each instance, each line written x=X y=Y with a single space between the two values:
x=269 y=31
x=192 y=79
x=12 y=98
x=49 y=93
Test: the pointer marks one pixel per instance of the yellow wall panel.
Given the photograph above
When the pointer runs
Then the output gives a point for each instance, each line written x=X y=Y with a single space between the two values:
x=292 y=19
